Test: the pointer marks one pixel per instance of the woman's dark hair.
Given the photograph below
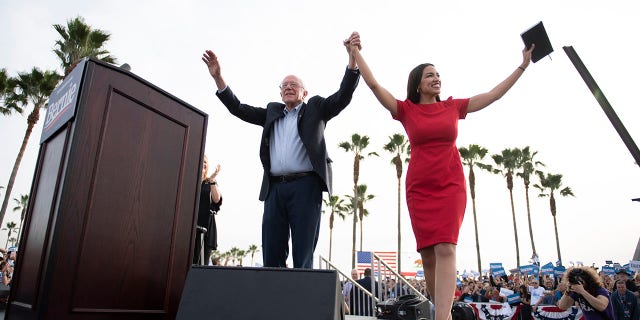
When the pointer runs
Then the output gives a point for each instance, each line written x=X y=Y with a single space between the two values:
x=585 y=276
x=524 y=291
x=415 y=76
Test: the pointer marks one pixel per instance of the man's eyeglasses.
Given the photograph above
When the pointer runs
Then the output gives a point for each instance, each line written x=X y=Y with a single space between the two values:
x=292 y=85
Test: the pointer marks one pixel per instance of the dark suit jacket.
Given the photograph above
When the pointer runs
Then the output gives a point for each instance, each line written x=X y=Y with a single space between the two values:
x=361 y=304
x=311 y=123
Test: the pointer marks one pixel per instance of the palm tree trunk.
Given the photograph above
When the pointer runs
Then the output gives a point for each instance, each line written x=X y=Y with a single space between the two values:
x=33 y=118
x=533 y=245
x=330 y=242
x=21 y=221
x=399 y=259
x=355 y=221
x=360 y=233
x=552 y=203
x=472 y=186
x=515 y=229
x=555 y=226
x=356 y=172
x=330 y=233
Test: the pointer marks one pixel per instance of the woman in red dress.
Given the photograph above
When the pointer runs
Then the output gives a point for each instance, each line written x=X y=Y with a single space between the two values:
x=436 y=190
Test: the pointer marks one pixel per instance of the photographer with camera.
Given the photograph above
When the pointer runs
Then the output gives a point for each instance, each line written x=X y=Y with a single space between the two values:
x=585 y=287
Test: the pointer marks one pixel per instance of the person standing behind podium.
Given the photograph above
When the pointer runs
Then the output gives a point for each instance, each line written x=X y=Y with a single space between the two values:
x=297 y=168
x=210 y=202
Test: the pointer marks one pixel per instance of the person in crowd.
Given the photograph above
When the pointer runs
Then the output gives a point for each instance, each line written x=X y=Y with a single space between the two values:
x=536 y=291
x=293 y=152
x=625 y=303
x=559 y=291
x=466 y=294
x=493 y=295
x=7 y=272
x=585 y=287
x=435 y=184
x=210 y=202
x=361 y=304
x=348 y=285
x=625 y=275
x=525 y=303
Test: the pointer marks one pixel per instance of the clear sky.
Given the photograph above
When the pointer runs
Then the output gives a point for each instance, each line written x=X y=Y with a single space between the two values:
x=474 y=45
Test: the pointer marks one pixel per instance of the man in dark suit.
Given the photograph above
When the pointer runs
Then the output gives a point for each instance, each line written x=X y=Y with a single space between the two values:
x=297 y=168
x=362 y=304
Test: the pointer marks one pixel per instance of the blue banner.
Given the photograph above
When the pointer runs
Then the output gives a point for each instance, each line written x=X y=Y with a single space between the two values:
x=531 y=269
x=513 y=298
x=559 y=271
x=547 y=268
x=608 y=270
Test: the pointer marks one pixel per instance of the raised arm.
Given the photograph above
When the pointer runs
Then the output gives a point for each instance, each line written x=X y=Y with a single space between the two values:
x=385 y=97
x=213 y=65
x=482 y=100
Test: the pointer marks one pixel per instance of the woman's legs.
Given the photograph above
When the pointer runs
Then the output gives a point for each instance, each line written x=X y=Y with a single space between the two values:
x=439 y=263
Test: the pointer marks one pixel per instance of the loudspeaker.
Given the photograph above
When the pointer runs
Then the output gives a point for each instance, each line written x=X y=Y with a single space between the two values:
x=407 y=307
x=213 y=292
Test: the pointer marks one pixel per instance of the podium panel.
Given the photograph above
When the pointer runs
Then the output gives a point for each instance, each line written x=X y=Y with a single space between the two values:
x=109 y=230
x=218 y=293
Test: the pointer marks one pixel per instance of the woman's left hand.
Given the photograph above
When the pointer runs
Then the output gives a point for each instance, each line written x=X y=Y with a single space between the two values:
x=215 y=173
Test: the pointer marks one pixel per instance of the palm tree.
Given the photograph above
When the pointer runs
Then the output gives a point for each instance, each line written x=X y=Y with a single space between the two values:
x=78 y=41
x=337 y=208
x=241 y=254
x=13 y=241
x=399 y=147
x=21 y=205
x=7 y=85
x=34 y=87
x=357 y=146
x=233 y=253
x=527 y=167
x=363 y=197
x=252 y=250
x=226 y=256
x=11 y=227
x=550 y=183
x=471 y=157
x=507 y=162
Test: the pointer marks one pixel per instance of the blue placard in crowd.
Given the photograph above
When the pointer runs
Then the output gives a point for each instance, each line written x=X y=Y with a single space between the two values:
x=608 y=270
x=513 y=298
x=530 y=269
x=559 y=271
x=547 y=268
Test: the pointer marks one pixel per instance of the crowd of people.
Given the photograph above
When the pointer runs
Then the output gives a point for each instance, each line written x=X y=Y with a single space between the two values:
x=618 y=292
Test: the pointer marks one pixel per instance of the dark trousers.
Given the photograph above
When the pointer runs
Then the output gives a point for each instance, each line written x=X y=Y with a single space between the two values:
x=198 y=247
x=295 y=207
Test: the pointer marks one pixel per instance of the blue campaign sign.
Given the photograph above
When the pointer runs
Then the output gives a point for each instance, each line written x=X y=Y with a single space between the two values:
x=513 y=298
x=498 y=272
x=559 y=271
x=530 y=269
x=547 y=268
x=608 y=270
x=62 y=102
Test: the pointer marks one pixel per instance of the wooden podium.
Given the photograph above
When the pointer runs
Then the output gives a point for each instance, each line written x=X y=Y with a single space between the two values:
x=110 y=222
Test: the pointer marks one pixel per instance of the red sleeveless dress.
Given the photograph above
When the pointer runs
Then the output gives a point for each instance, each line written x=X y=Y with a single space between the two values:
x=435 y=185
